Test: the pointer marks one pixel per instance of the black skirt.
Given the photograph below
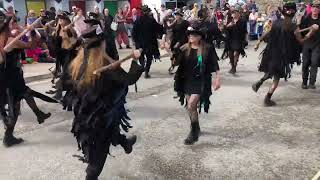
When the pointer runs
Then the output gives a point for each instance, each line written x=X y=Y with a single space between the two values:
x=15 y=82
x=192 y=86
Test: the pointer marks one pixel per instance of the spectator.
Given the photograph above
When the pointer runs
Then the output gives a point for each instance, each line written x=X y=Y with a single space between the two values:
x=129 y=22
x=122 y=35
x=226 y=7
x=252 y=5
x=163 y=13
x=194 y=11
x=245 y=13
x=74 y=13
x=267 y=25
x=260 y=22
x=79 y=25
x=45 y=18
x=52 y=13
x=134 y=15
x=100 y=15
x=31 y=17
x=253 y=22
x=111 y=48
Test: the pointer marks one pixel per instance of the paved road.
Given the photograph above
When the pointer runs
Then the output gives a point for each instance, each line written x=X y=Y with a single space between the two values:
x=240 y=138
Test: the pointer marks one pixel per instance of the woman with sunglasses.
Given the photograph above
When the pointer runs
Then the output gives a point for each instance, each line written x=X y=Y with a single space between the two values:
x=193 y=78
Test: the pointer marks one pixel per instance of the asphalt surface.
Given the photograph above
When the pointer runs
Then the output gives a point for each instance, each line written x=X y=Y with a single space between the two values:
x=240 y=138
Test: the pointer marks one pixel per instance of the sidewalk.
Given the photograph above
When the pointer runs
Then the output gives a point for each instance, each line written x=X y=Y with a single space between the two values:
x=40 y=71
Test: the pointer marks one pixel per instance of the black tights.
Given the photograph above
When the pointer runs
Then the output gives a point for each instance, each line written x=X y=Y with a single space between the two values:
x=192 y=105
x=97 y=157
x=234 y=58
x=31 y=102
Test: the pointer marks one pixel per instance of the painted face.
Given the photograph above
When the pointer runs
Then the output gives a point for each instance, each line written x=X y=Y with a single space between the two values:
x=194 y=38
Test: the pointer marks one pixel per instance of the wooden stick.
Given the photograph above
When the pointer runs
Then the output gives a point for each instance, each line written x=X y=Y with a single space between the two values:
x=104 y=68
x=305 y=29
x=100 y=70
x=25 y=31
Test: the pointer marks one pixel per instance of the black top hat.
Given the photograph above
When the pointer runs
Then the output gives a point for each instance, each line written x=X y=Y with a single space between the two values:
x=195 y=29
x=145 y=9
x=92 y=22
x=93 y=39
x=64 y=15
x=178 y=13
x=93 y=15
x=289 y=9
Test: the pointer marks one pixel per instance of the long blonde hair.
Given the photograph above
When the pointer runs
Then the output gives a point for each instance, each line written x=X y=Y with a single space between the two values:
x=97 y=58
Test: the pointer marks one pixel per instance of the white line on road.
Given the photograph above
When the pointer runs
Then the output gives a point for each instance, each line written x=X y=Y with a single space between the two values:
x=317 y=176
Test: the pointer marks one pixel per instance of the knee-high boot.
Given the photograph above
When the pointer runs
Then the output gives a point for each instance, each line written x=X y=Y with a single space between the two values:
x=9 y=139
x=193 y=134
x=41 y=116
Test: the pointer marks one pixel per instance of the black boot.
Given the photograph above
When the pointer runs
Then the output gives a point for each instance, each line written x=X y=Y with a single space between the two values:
x=312 y=84
x=267 y=100
x=58 y=95
x=146 y=75
x=41 y=116
x=304 y=84
x=194 y=134
x=127 y=143
x=9 y=140
x=256 y=86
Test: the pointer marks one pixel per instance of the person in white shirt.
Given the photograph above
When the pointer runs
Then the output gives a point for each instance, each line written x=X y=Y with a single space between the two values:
x=79 y=25
x=253 y=21
x=163 y=12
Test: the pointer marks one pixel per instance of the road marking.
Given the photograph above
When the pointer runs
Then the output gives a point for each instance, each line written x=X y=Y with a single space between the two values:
x=317 y=176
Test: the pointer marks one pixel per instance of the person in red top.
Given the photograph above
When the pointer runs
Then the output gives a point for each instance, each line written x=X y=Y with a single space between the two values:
x=129 y=20
x=219 y=15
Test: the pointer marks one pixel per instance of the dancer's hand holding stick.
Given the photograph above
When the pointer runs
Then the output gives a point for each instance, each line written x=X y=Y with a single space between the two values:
x=9 y=46
x=135 y=55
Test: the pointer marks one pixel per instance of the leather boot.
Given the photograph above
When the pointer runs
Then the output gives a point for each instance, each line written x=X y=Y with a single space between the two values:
x=127 y=143
x=8 y=139
x=256 y=86
x=304 y=84
x=267 y=100
x=41 y=116
x=193 y=134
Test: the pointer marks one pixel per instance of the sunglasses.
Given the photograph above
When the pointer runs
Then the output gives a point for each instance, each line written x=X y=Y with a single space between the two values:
x=316 y=6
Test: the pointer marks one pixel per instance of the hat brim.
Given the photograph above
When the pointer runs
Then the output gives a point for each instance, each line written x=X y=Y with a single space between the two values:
x=178 y=14
x=63 y=17
x=195 y=32
x=92 y=21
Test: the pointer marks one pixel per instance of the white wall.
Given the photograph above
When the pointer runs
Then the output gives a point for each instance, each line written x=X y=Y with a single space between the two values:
x=50 y=3
x=152 y=3
x=22 y=8
x=62 y=6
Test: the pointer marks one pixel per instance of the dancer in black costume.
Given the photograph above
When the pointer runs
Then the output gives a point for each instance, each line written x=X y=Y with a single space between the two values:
x=66 y=43
x=13 y=87
x=236 y=32
x=144 y=34
x=193 y=79
x=179 y=35
x=282 y=50
x=99 y=103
